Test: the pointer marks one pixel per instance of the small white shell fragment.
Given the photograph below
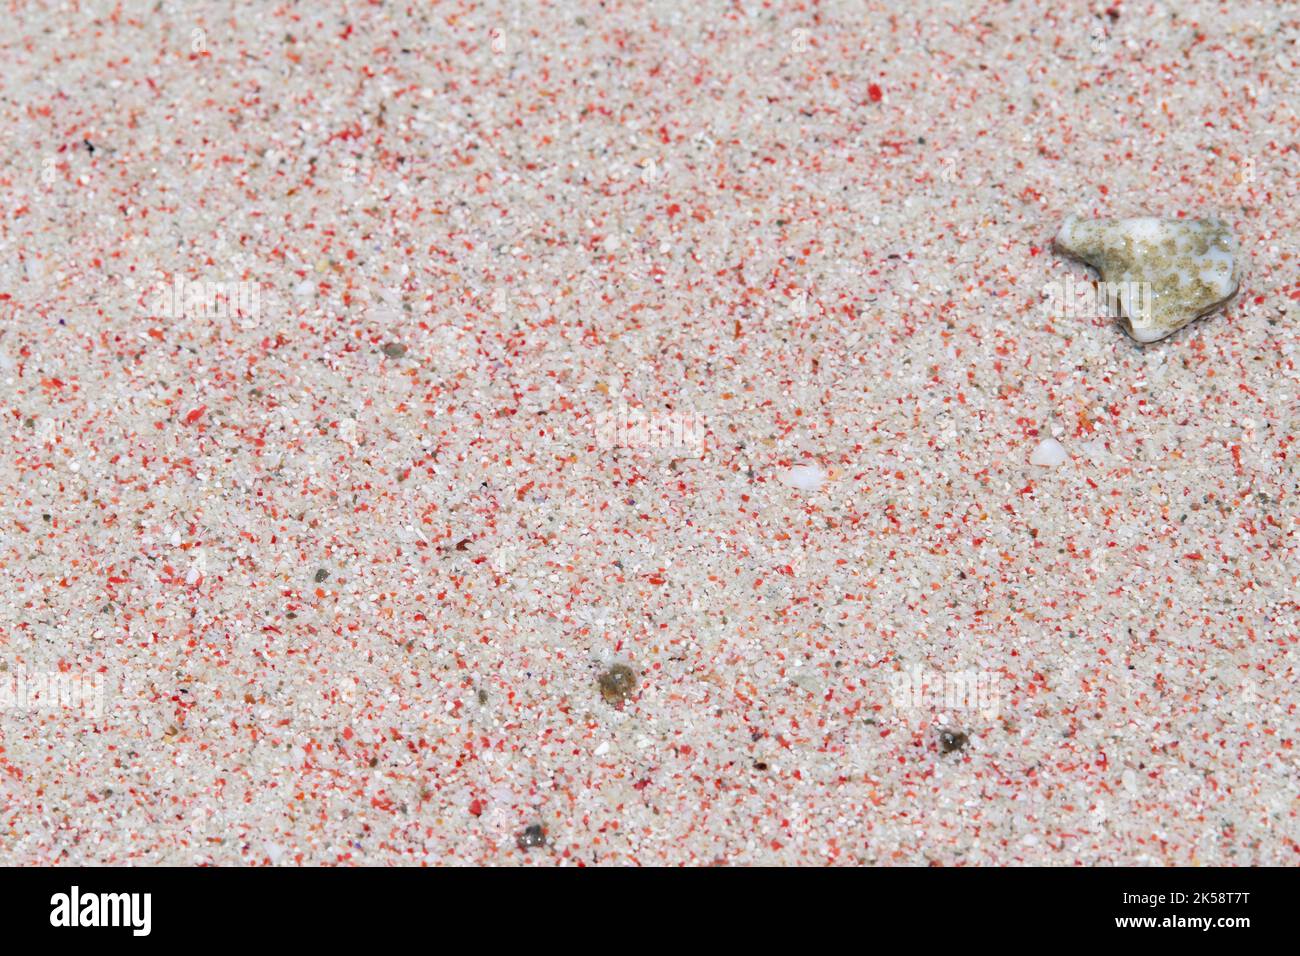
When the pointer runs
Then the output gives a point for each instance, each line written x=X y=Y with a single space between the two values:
x=1050 y=453
x=805 y=477
x=1160 y=274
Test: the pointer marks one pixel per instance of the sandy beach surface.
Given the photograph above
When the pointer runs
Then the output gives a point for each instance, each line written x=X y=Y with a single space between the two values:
x=632 y=433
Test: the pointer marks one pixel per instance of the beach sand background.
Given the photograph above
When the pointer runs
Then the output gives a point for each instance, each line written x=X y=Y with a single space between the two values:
x=376 y=376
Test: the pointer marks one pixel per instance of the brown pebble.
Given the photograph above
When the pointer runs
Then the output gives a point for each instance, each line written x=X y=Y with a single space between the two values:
x=617 y=683
x=531 y=836
x=950 y=740
x=394 y=350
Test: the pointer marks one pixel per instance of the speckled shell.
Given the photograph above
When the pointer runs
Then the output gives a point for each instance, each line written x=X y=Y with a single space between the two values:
x=1190 y=267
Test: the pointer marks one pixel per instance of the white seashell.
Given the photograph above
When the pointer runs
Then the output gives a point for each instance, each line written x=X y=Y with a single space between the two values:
x=1050 y=453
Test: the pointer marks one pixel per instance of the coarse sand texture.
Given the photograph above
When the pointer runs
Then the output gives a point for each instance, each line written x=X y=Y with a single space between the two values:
x=641 y=433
